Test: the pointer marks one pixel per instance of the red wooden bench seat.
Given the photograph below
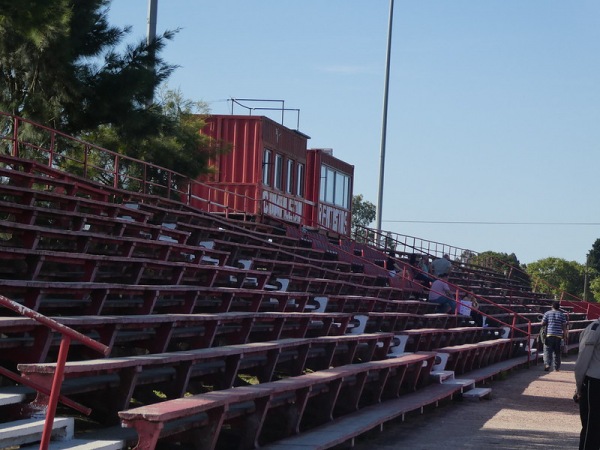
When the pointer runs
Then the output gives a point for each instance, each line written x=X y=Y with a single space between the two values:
x=467 y=357
x=364 y=304
x=394 y=322
x=24 y=338
x=309 y=270
x=39 y=265
x=40 y=182
x=175 y=373
x=22 y=167
x=315 y=398
x=430 y=339
x=49 y=203
x=76 y=298
x=326 y=287
x=391 y=322
x=46 y=238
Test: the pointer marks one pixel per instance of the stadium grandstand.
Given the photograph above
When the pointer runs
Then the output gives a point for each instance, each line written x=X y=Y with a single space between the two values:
x=133 y=318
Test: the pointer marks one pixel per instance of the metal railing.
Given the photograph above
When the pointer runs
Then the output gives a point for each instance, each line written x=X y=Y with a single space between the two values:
x=67 y=334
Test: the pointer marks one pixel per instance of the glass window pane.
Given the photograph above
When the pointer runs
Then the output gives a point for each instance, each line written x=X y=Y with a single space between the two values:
x=278 y=172
x=289 y=185
x=329 y=196
x=323 y=187
x=300 y=180
x=266 y=167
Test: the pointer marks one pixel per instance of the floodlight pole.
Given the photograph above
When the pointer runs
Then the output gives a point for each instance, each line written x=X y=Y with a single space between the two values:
x=151 y=28
x=151 y=33
x=384 y=124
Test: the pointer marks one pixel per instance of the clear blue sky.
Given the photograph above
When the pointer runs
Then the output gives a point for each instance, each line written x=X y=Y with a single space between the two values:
x=494 y=106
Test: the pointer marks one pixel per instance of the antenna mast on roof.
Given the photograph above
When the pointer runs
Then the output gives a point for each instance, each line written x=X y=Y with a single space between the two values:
x=250 y=109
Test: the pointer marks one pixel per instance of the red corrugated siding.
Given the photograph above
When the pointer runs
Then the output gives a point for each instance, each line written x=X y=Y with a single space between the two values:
x=240 y=170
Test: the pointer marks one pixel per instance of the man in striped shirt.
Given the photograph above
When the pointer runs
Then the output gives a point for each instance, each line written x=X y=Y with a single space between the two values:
x=555 y=322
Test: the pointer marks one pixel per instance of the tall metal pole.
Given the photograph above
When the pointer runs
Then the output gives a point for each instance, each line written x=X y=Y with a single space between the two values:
x=151 y=33
x=151 y=28
x=384 y=124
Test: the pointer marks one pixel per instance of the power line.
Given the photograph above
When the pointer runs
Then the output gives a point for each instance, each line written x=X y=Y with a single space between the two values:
x=451 y=222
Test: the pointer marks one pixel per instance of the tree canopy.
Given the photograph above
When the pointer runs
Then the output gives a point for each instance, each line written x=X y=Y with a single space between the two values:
x=593 y=256
x=363 y=212
x=60 y=66
x=557 y=275
x=502 y=262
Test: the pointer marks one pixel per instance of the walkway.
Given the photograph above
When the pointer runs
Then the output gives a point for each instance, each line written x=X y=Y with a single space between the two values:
x=529 y=409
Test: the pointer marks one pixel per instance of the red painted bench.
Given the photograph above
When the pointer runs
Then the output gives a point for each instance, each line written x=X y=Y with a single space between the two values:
x=34 y=237
x=42 y=264
x=175 y=373
x=467 y=357
x=295 y=403
x=76 y=298
x=26 y=340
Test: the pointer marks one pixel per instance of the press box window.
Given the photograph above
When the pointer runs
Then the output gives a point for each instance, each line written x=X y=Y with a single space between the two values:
x=300 y=180
x=278 y=172
x=266 y=175
x=289 y=185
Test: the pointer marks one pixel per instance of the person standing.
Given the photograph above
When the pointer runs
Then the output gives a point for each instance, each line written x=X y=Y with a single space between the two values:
x=555 y=322
x=441 y=265
x=587 y=386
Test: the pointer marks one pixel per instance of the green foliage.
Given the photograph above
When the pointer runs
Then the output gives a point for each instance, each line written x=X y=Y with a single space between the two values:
x=363 y=212
x=501 y=262
x=593 y=256
x=556 y=275
x=48 y=50
x=59 y=66
x=595 y=288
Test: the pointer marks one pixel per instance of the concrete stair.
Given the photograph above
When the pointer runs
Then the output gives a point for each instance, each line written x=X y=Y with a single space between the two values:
x=478 y=393
x=27 y=431
x=11 y=398
x=468 y=389
x=81 y=444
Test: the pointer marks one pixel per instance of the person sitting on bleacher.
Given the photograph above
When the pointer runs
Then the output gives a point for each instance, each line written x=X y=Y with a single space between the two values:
x=468 y=307
x=441 y=294
x=421 y=272
x=441 y=265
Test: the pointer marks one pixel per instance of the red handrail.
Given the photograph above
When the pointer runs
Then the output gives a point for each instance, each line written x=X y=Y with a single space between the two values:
x=68 y=334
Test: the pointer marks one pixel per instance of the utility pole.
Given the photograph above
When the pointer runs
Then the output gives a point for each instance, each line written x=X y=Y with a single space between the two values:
x=384 y=124
x=585 y=278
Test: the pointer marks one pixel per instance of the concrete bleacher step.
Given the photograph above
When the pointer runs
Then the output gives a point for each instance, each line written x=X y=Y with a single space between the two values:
x=477 y=393
x=441 y=376
x=11 y=398
x=27 y=431
x=346 y=428
x=465 y=384
x=81 y=444
x=468 y=389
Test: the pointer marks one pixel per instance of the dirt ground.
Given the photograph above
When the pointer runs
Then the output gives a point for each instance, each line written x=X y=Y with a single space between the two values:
x=528 y=409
